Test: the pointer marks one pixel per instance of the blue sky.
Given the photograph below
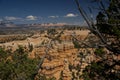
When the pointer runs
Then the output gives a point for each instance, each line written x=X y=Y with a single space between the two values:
x=42 y=11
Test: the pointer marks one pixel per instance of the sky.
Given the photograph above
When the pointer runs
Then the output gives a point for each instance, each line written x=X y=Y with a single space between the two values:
x=42 y=11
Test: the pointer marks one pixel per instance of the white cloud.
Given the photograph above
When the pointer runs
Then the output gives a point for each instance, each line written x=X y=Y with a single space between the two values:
x=30 y=17
x=11 y=18
x=71 y=15
x=53 y=16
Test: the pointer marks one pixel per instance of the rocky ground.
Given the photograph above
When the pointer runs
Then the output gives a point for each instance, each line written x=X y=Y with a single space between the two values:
x=60 y=56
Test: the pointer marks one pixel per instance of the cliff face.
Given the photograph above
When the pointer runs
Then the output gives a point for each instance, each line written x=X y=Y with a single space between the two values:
x=62 y=59
x=57 y=59
x=60 y=56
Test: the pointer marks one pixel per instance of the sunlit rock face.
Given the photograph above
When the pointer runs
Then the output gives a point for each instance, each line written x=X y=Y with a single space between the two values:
x=59 y=57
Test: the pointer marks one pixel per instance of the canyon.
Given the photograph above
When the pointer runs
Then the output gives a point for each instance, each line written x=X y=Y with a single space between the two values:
x=62 y=52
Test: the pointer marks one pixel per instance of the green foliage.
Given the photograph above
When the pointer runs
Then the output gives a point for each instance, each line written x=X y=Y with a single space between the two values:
x=30 y=46
x=76 y=44
x=61 y=76
x=86 y=76
x=80 y=55
x=3 y=54
x=108 y=22
x=43 y=77
x=99 y=52
x=5 y=70
x=51 y=31
x=70 y=67
x=99 y=70
x=91 y=71
x=19 y=68
x=108 y=25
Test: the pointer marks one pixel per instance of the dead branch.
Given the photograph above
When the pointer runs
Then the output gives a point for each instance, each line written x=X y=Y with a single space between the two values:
x=48 y=47
x=94 y=30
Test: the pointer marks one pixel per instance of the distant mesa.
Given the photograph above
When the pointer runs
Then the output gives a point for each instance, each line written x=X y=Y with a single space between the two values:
x=11 y=24
x=46 y=24
x=7 y=24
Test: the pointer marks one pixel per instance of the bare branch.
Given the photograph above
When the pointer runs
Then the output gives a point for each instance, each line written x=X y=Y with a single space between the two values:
x=94 y=30
x=48 y=47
